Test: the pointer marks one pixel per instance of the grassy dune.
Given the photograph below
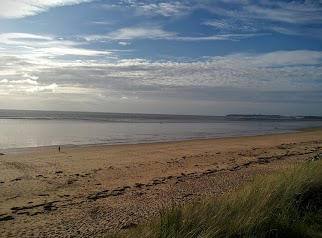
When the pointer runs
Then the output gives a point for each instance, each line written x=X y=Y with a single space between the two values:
x=284 y=204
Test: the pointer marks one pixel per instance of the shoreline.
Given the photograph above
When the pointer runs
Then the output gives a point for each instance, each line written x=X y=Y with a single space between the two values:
x=88 y=191
x=23 y=149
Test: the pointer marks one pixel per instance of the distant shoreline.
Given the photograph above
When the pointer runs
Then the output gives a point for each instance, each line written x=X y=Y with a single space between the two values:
x=105 y=116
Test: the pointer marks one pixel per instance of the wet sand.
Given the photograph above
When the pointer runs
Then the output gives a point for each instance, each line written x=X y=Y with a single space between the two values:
x=87 y=191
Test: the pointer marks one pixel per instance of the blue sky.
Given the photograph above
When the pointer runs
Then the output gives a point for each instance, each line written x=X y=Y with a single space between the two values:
x=184 y=57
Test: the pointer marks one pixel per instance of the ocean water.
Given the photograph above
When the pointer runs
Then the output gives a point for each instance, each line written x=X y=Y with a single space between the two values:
x=20 y=129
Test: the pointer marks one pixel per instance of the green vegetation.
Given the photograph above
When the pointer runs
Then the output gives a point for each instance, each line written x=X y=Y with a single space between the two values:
x=284 y=204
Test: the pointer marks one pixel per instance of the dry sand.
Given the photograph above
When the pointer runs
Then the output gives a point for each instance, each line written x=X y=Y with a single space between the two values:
x=86 y=191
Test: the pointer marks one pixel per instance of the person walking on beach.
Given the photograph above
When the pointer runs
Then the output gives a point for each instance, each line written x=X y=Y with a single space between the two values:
x=59 y=148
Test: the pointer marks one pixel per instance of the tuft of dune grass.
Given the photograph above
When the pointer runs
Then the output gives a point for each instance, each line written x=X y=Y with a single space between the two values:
x=284 y=204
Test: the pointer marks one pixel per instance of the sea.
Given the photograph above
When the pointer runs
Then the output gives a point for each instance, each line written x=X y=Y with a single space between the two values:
x=21 y=129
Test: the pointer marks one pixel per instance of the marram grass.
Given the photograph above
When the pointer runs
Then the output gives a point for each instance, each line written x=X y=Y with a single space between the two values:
x=284 y=204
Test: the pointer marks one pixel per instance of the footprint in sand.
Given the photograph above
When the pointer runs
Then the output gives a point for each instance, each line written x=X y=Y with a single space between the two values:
x=16 y=179
x=71 y=181
x=7 y=218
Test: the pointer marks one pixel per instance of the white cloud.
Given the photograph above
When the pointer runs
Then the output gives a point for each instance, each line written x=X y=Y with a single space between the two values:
x=133 y=33
x=163 y=9
x=219 y=24
x=124 y=43
x=287 y=58
x=33 y=41
x=220 y=37
x=39 y=46
x=155 y=33
x=31 y=77
x=291 y=12
x=285 y=17
x=19 y=38
x=102 y=23
x=24 y=81
x=227 y=25
x=4 y=81
x=23 y=8
x=140 y=33
x=27 y=89
x=49 y=88
x=70 y=51
x=286 y=31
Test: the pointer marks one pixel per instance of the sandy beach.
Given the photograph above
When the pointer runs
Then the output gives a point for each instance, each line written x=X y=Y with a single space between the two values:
x=87 y=191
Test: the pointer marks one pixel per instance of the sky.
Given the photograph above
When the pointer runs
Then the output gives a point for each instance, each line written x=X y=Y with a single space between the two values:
x=198 y=57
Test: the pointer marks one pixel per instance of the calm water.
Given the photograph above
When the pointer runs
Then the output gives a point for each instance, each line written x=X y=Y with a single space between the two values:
x=34 y=128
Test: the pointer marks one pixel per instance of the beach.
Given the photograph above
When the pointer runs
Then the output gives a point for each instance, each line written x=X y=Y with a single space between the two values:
x=86 y=191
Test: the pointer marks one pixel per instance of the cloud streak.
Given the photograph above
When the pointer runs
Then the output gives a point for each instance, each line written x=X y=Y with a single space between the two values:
x=163 y=9
x=228 y=25
x=262 y=16
x=44 y=46
x=156 y=33
x=23 y=8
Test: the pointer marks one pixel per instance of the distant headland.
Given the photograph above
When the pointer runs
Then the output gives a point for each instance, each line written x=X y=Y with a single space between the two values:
x=271 y=117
